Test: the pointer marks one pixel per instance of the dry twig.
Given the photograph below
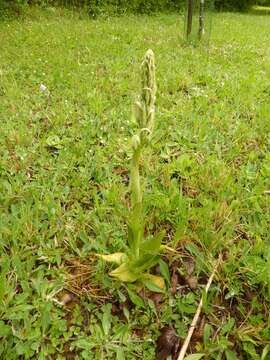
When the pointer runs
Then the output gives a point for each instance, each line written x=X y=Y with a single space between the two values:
x=197 y=315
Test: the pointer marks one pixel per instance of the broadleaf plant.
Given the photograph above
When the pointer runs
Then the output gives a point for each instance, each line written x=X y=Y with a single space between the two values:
x=142 y=253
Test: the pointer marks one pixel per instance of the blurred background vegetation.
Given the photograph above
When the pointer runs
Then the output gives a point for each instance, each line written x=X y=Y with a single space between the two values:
x=99 y=7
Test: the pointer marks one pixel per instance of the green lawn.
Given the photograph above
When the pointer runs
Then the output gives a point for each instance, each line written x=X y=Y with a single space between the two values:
x=63 y=188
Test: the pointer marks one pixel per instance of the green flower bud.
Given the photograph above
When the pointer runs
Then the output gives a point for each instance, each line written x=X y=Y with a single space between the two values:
x=149 y=88
x=136 y=142
x=139 y=113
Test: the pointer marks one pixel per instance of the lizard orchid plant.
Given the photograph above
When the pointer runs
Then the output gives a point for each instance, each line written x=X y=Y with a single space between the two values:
x=143 y=253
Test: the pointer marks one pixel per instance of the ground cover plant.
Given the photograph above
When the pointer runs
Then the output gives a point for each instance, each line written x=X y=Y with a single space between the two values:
x=67 y=85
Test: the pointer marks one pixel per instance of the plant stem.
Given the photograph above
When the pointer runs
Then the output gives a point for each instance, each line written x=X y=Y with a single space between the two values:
x=135 y=178
x=136 y=198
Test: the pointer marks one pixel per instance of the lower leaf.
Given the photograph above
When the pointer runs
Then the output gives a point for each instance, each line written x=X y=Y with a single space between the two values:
x=117 y=258
x=124 y=273
x=153 y=282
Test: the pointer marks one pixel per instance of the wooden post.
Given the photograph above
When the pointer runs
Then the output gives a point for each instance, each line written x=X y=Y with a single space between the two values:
x=201 y=20
x=189 y=17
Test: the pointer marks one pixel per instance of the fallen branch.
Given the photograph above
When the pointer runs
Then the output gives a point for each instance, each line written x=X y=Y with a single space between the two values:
x=197 y=315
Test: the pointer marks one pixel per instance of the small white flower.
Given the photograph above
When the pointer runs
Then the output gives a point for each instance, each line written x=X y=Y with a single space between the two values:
x=42 y=88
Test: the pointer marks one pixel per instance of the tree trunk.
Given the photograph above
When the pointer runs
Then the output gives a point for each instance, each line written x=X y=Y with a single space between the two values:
x=189 y=17
x=201 y=20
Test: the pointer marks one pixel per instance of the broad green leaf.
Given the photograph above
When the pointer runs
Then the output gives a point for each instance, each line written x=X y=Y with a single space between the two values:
x=120 y=331
x=152 y=245
x=84 y=343
x=230 y=355
x=45 y=317
x=207 y=334
x=157 y=280
x=117 y=258
x=124 y=273
x=153 y=282
x=265 y=352
x=164 y=270
x=137 y=300
x=22 y=308
x=54 y=141
x=228 y=326
x=152 y=306
x=145 y=262
x=194 y=357
x=120 y=355
x=250 y=349
x=4 y=329
x=126 y=313
x=106 y=319
x=121 y=296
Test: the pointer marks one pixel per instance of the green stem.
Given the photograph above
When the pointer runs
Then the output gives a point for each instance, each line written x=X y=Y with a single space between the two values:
x=136 y=197
x=135 y=178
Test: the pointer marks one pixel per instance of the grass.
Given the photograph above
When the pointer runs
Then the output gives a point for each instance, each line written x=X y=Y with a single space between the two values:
x=64 y=172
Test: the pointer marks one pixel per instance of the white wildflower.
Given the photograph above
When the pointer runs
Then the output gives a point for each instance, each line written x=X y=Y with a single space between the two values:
x=42 y=88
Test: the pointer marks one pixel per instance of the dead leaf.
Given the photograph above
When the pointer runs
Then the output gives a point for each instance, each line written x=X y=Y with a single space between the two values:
x=174 y=282
x=176 y=278
x=198 y=333
x=189 y=264
x=66 y=298
x=157 y=300
x=192 y=282
x=167 y=344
